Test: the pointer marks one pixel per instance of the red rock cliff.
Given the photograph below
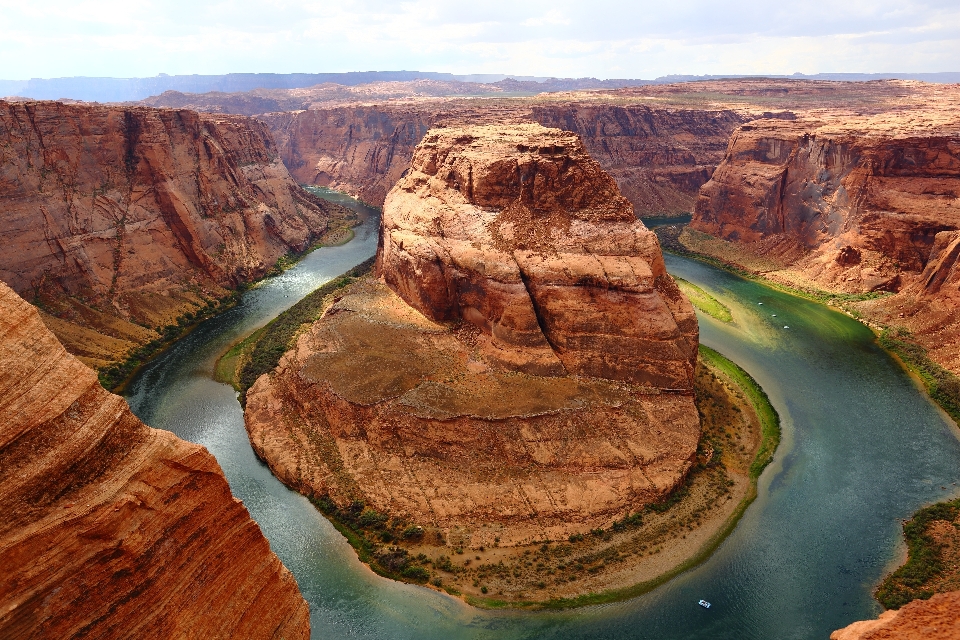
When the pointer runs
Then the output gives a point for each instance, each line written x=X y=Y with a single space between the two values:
x=919 y=620
x=116 y=220
x=111 y=529
x=854 y=205
x=659 y=157
x=519 y=231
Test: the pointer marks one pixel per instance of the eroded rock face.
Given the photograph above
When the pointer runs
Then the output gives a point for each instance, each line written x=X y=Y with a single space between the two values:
x=853 y=205
x=659 y=157
x=112 y=529
x=838 y=192
x=519 y=232
x=918 y=620
x=523 y=369
x=119 y=219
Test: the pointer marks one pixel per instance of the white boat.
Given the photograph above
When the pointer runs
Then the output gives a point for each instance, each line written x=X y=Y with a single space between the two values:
x=704 y=604
x=785 y=327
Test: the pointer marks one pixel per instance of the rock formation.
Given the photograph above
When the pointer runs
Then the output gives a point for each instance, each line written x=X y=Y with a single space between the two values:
x=919 y=620
x=853 y=205
x=659 y=157
x=522 y=371
x=117 y=220
x=111 y=529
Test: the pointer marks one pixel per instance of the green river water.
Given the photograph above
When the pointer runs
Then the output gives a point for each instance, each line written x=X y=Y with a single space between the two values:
x=863 y=448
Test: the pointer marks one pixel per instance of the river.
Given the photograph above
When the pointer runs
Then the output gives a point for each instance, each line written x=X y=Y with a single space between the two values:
x=863 y=448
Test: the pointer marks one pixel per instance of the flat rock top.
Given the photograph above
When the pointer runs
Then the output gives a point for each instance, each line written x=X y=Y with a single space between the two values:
x=516 y=166
x=373 y=348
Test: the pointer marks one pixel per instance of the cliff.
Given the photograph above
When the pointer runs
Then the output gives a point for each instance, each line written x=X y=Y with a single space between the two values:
x=112 y=529
x=118 y=220
x=522 y=371
x=919 y=620
x=857 y=205
x=659 y=157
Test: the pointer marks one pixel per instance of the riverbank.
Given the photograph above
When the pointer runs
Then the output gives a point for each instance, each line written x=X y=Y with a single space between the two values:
x=634 y=554
x=116 y=377
x=933 y=560
x=260 y=352
x=942 y=385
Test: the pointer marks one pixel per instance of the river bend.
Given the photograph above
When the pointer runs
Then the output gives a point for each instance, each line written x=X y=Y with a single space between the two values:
x=863 y=448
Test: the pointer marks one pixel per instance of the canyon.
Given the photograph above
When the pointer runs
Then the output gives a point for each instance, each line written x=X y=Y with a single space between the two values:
x=522 y=368
x=112 y=529
x=118 y=222
x=848 y=187
x=853 y=205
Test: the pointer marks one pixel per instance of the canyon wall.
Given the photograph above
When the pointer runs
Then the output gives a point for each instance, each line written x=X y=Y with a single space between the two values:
x=853 y=205
x=521 y=371
x=117 y=220
x=659 y=157
x=111 y=529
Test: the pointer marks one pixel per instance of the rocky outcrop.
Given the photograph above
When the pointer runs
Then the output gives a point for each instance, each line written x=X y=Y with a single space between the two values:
x=919 y=620
x=522 y=371
x=117 y=220
x=519 y=232
x=112 y=529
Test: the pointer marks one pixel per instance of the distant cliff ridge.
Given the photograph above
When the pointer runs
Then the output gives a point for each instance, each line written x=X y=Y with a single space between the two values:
x=129 y=89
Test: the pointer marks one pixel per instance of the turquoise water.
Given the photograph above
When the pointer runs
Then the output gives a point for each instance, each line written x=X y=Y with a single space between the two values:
x=863 y=448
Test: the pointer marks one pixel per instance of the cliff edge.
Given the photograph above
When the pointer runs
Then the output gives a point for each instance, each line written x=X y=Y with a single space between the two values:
x=112 y=529
x=117 y=221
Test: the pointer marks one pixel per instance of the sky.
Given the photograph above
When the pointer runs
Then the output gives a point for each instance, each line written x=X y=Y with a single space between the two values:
x=561 y=38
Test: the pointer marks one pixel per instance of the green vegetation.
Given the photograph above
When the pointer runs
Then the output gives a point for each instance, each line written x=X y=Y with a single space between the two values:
x=769 y=419
x=704 y=301
x=770 y=439
x=942 y=385
x=366 y=530
x=117 y=375
x=267 y=346
x=670 y=243
x=924 y=562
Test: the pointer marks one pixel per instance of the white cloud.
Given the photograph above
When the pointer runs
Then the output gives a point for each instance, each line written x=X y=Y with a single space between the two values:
x=603 y=38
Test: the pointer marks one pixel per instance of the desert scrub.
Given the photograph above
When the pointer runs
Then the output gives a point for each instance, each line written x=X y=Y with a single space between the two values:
x=924 y=558
x=278 y=335
x=942 y=385
x=704 y=301
x=371 y=533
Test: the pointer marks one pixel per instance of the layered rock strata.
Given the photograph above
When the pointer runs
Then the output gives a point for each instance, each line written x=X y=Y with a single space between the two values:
x=117 y=220
x=112 y=529
x=523 y=370
x=866 y=204
x=659 y=157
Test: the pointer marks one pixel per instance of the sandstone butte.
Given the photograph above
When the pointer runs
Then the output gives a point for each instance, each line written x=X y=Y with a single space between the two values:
x=111 y=529
x=523 y=367
x=115 y=221
x=856 y=204
x=918 y=620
